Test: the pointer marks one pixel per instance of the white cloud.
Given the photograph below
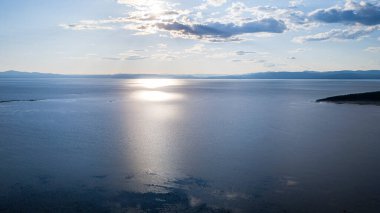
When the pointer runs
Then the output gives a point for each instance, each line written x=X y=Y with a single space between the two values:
x=353 y=33
x=352 y=12
x=236 y=23
x=163 y=18
x=216 y=3
x=162 y=46
x=296 y=3
x=294 y=19
x=373 y=49
x=143 y=3
x=244 y=52
x=87 y=25
x=237 y=8
x=165 y=56
x=197 y=49
x=131 y=55
x=213 y=3
x=202 y=49
x=298 y=50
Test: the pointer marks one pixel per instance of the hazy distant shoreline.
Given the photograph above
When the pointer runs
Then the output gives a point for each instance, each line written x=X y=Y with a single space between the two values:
x=343 y=74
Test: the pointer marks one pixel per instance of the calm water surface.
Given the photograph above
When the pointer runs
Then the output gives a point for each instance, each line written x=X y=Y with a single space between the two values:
x=108 y=145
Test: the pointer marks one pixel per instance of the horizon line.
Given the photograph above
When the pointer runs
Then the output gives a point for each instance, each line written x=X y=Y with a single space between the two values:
x=187 y=74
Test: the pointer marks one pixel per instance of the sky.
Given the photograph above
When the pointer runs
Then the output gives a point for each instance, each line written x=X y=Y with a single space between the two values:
x=188 y=37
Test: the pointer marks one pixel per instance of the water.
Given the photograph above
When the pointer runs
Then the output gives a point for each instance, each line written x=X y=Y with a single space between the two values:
x=108 y=145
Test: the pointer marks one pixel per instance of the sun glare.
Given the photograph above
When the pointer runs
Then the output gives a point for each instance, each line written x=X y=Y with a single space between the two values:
x=156 y=96
x=156 y=8
x=156 y=83
x=152 y=89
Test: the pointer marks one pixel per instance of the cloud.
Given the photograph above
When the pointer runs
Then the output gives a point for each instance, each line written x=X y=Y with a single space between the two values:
x=247 y=60
x=208 y=51
x=222 y=30
x=291 y=58
x=269 y=65
x=136 y=2
x=131 y=55
x=135 y=57
x=296 y=3
x=112 y=58
x=237 y=8
x=294 y=19
x=351 y=13
x=128 y=58
x=165 y=57
x=164 y=18
x=196 y=49
x=236 y=23
x=338 y=34
x=162 y=46
x=143 y=3
x=298 y=50
x=86 y=25
x=261 y=62
x=373 y=49
x=244 y=52
x=216 y=3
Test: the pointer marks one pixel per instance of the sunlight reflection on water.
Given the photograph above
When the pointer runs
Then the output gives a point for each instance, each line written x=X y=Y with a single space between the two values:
x=153 y=141
x=152 y=92
x=156 y=83
x=156 y=96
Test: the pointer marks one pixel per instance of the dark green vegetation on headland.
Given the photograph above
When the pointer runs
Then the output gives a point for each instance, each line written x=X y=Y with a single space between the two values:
x=9 y=101
x=367 y=98
x=342 y=74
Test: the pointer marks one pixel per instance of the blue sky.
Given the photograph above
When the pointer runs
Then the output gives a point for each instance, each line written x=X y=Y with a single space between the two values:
x=188 y=37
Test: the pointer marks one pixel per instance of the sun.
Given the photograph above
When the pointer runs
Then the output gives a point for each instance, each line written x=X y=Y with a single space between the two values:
x=156 y=8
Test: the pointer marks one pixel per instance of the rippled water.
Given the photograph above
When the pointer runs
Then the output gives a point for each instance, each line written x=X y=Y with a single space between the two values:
x=98 y=145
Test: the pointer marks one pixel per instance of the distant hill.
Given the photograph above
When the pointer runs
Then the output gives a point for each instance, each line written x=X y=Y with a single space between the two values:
x=19 y=74
x=344 y=74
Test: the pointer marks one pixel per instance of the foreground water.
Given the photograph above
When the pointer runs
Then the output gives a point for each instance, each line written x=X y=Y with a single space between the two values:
x=107 y=145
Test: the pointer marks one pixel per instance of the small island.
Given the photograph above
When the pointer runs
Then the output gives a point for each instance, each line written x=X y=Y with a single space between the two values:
x=367 y=98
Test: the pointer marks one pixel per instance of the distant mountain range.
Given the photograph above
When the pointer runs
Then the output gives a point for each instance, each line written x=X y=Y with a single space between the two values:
x=343 y=74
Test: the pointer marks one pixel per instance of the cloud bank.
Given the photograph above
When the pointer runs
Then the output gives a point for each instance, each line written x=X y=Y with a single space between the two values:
x=338 y=34
x=352 y=13
x=223 y=30
x=237 y=21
